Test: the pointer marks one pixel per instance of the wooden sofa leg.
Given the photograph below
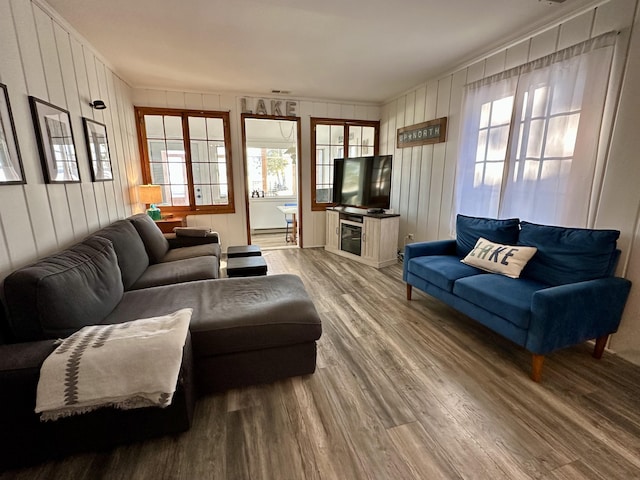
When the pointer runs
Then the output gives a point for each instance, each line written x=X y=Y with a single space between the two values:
x=536 y=370
x=409 y=287
x=601 y=342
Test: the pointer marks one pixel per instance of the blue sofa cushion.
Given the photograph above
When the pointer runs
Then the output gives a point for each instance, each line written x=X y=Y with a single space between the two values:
x=506 y=297
x=568 y=255
x=470 y=229
x=441 y=270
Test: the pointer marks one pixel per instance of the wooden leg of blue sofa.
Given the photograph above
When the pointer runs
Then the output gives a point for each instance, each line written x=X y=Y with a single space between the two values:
x=536 y=370
x=409 y=287
x=601 y=342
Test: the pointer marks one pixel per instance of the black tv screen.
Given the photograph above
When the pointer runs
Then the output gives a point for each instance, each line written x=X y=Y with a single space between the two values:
x=363 y=181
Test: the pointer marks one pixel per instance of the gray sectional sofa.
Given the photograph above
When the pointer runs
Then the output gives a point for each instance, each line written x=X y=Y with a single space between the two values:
x=243 y=330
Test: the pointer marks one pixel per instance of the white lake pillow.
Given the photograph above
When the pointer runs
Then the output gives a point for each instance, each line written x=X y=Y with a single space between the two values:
x=508 y=260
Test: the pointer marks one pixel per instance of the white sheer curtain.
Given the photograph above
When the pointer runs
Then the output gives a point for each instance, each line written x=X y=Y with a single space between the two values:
x=486 y=123
x=529 y=139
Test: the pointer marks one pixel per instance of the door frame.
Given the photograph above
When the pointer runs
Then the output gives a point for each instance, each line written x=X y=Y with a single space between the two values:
x=246 y=169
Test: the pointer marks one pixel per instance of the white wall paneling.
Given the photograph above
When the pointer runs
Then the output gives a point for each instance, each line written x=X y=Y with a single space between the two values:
x=193 y=101
x=211 y=102
x=176 y=100
x=613 y=16
x=116 y=145
x=400 y=171
x=5 y=262
x=20 y=243
x=334 y=110
x=42 y=238
x=516 y=53
x=576 y=30
x=616 y=204
x=495 y=63
x=114 y=202
x=439 y=187
x=41 y=220
x=72 y=102
x=42 y=56
x=544 y=44
x=453 y=128
x=313 y=222
x=619 y=205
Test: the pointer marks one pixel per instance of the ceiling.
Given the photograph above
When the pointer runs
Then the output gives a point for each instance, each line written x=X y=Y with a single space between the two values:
x=355 y=50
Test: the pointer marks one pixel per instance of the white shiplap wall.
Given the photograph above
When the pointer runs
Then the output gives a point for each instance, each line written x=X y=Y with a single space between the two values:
x=424 y=176
x=43 y=57
x=232 y=227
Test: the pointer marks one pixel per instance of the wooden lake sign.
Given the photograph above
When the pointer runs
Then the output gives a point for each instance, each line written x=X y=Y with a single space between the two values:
x=426 y=133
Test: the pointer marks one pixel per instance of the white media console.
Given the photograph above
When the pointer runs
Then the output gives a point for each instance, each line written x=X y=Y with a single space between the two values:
x=370 y=238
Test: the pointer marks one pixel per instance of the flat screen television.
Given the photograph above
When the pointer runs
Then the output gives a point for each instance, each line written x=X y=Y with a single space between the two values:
x=363 y=182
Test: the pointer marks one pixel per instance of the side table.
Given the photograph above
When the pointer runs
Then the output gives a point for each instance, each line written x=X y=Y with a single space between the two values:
x=168 y=224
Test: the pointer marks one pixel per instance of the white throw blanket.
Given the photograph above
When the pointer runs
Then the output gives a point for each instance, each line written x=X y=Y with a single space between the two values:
x=127 y=365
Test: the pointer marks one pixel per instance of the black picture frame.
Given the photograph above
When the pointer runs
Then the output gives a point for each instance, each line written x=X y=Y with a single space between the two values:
x=98 y=150
x=55 y=142
x=11 y=169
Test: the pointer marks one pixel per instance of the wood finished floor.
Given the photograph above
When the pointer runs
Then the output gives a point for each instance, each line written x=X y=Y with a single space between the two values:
x=271 y=240
x=403 y=390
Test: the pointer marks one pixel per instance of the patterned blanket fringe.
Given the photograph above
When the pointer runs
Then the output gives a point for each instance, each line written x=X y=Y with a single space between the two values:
x=136 y=401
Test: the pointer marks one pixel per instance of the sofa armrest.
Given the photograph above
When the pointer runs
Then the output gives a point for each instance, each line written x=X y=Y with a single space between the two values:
x=423 y=249
x=19 y=373
x=574 y=313
x=15 y=357
x=194 y=232
x=179 y=241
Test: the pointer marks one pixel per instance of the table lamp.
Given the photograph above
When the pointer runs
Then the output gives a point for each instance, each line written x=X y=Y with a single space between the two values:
x=150 y=195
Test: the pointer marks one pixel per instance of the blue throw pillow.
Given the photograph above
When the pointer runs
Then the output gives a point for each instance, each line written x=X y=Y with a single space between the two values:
x=568 y=255
x=470 y=229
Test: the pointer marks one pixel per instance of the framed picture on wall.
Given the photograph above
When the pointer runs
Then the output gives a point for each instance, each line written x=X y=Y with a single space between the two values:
x=98 y=150
x=11 y=171
x=55 y=142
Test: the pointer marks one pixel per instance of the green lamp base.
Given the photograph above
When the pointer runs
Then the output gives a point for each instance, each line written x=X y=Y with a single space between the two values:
x=154 y=213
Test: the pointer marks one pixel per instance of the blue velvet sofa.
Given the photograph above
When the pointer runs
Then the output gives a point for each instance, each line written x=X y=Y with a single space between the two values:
x=565 y=295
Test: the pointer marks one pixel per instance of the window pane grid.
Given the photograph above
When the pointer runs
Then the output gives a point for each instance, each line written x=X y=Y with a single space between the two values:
x=547 y=139
x=492 y=141
x=168 y=160
x=208 y=164
x=330 y=140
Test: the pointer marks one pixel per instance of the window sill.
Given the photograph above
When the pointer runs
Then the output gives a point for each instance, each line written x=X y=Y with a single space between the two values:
x=183 y=212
